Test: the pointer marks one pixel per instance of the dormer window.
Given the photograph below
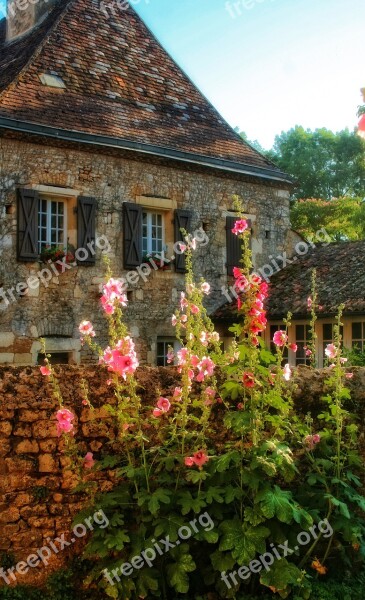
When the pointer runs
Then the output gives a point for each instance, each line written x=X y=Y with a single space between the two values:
x=51 y=80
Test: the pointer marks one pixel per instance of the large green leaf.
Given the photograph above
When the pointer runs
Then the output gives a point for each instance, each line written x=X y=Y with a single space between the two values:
x=281 y=575
x=275 y=502
x=244 y=541
x=177 y=573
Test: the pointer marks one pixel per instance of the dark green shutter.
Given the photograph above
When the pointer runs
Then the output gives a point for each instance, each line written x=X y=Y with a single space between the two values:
x=86 y=219
x=27 y=225
x=182 y=221
x=234 y=245
x=132 y=229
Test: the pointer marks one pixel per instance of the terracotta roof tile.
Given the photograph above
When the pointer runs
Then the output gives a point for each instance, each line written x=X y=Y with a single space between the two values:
x=119 y=82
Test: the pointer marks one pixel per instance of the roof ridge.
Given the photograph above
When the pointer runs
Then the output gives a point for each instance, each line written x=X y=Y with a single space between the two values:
x=65 y=4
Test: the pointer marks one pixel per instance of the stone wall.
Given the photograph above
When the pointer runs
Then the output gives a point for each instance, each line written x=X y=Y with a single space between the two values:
x=57 y=310
x=36 y=481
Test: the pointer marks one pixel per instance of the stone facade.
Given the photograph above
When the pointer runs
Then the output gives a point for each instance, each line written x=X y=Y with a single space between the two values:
x=54 y=310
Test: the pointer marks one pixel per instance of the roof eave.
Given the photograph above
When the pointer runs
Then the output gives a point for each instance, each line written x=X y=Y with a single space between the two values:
x=122 y=144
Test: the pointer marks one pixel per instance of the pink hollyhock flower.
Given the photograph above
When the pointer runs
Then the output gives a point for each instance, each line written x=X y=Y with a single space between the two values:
x=170 y=357
x=200 y=458
x=312 y=440
x=203 y=337
x=237 y=273
x=86 y=328
x=287 y=372
x=183 y=301
x=293 y=347
x=177 y=393
x=214 y=336
x=108 y=306
x=89 y=462
x=241 y=284
x=206 y=367
x=174 y=320
x=349 y=375
x=184 y=318
x=182 y=247
x=205 y=288
x=240 y=406
x=46 y=370
x=280 y=338
x=309 y=302
x=343 y=361
x=182 y=356
x=248 y=380
x=240 y=227
x=64 y=418
x=308 y=351
x=189 y=461
x=123 y=364
x=114 y=290
x=192 y=243
x=195 y=309
x=163 y=404
x=331 y=351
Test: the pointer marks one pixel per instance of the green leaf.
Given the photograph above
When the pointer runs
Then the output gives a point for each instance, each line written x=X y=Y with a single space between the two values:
x=215 y=494
x=158 y=497
x=117 y=540
x=169 y=526
x=342 y=507
x=147 y=581
x=224 y=461
x=222 y=561
x=281 y=575
x=177 y=573
x=243 y=540
x=275 y=502
x=188 y=503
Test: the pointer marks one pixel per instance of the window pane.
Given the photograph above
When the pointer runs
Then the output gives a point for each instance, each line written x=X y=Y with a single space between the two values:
x=327 y=331
x=300 y=333
x=356 y=331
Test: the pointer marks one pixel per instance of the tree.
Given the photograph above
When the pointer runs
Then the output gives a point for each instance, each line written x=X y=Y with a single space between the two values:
x=343 y=218
x=254 y=143
x=325 y=164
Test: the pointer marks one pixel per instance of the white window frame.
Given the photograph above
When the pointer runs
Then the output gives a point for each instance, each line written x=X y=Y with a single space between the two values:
x=149 y=214
x=359 y=341
x=48 y=242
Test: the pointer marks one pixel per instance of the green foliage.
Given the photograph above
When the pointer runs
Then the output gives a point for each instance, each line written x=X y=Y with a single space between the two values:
x=342 y=218
x=326 y=165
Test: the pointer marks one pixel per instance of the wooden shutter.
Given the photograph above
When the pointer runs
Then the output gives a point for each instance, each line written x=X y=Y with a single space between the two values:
x=234 y=245
x=132 y=230
x=182 y=221
x=27 y=225
x=86 y=218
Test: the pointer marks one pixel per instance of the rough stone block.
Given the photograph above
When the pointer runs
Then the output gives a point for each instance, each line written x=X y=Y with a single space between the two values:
x=6 y=339
x=44 y=429
x=5 y=428
x=47 y=463
x=27 y=447
x=23 y=430
x=6 y=357
x=23 y=359
x=11 y=515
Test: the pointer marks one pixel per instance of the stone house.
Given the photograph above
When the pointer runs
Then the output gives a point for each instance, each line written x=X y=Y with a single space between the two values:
x=340 y=275
x=107 y=146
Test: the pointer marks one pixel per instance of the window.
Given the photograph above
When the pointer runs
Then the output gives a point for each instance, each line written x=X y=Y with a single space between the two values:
x=233 y=244
x=152 y=233
x=163 y=345
x=51 y=224
x=302 y=339
x=358 y=336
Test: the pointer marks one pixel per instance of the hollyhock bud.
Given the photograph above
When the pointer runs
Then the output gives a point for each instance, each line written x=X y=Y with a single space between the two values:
x=293 y=347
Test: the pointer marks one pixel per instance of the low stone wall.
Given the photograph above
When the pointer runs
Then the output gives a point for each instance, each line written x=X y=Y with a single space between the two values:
x=36 y=481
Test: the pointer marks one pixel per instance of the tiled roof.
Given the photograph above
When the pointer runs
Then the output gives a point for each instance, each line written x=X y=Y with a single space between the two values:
x=119 y=82
x=340 y=280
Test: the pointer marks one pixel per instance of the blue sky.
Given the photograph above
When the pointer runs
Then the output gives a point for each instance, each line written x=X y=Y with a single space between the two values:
x=271 y=66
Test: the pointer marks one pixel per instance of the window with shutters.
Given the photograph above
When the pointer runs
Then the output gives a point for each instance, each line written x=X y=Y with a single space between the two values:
x=163 y=346
x=54 y=218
